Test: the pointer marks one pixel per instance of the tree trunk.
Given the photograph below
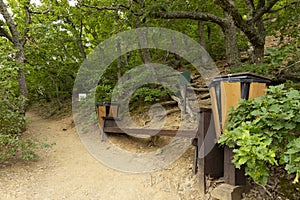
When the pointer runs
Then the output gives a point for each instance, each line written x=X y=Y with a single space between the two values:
x=80 y=43
x=232 y=50
x=119 y=63
x=18 y=43
x=258 y=54
x=258 y=45
x=201 y=34
x=20 y=59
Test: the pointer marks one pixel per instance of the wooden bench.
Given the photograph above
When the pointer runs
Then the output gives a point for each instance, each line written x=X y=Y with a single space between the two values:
x=210 y=164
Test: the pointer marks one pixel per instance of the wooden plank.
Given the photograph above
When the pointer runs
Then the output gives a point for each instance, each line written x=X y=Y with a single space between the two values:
x=230 y=95
x=101 y=113
x=257 y=90
x=113 y=111
x=215 y=110
x=151 y=132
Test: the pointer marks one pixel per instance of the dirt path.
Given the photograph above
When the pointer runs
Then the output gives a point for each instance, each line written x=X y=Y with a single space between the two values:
x=68 y=171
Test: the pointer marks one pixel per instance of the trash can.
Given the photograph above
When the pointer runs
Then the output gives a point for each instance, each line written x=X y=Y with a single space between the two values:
x=107 y=109
x=225 y=92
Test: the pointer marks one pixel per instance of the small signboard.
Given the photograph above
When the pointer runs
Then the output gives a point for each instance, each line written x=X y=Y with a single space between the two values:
x=81 y=96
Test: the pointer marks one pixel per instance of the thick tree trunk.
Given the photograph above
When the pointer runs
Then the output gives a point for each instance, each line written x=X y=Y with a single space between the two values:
x=232 y=50
x=259 y=44
x=258 y=54
x=20 y=59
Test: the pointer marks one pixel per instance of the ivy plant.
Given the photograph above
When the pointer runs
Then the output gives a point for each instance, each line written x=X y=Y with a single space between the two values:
x=264 y=132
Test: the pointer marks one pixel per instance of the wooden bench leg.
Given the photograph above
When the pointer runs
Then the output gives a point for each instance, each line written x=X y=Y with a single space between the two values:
x=103 y=134
x=195 y=165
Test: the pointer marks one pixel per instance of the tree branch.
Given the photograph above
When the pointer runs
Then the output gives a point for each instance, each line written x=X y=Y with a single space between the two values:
x=77 y=35
x=250 y=6
x=40 y=12
x=113 y=7
x=264 y=9
x=15 y=36
x=247 y=26
x=283 y=7
x=10 y=23
x=233 y=12
x=4 y=33
x=28 y=21
x=189 y=15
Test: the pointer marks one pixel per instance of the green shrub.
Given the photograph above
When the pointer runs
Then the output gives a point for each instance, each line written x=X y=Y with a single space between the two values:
x=12 y=124
x=264 y=132
x=150 y=94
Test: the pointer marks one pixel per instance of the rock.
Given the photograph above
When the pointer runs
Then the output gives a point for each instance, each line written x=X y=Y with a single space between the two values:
x=227 y=192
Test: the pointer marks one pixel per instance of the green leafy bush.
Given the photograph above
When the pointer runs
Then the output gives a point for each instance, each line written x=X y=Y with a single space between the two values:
x=264 y=132
x=12 y=124
x=150 y=94
x=292 y=158
x=103 y=93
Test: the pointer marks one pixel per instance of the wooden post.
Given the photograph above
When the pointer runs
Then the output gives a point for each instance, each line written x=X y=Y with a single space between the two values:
x=204 y=121
x=232 y=175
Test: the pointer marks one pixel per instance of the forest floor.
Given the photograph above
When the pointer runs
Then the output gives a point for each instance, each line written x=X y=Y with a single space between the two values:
x=68 y=171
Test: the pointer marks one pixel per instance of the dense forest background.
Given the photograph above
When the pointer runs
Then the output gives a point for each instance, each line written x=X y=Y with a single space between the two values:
x=43 y=43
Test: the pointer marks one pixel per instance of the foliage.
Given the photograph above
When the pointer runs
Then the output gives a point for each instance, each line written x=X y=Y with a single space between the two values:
x=281 y=64
x=264 y=132
x=11 y=121
x=11 y=124
x=150 y=94
x=292 y=158
x=103 y=93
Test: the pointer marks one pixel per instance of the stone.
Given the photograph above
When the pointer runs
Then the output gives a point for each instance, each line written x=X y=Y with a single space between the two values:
x=227 y=192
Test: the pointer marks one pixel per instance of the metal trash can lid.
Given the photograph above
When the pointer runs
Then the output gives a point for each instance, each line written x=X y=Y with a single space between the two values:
x=241 y=77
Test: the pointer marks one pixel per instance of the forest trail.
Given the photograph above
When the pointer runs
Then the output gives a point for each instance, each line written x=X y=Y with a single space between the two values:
x=68 y=171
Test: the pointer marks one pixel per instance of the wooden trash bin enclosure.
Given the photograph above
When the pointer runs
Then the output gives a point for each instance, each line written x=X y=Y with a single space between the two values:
x=225 y=92
x=107 y=109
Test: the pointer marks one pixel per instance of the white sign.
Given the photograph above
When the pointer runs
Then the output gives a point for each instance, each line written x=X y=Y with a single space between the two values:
x=81 y=96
